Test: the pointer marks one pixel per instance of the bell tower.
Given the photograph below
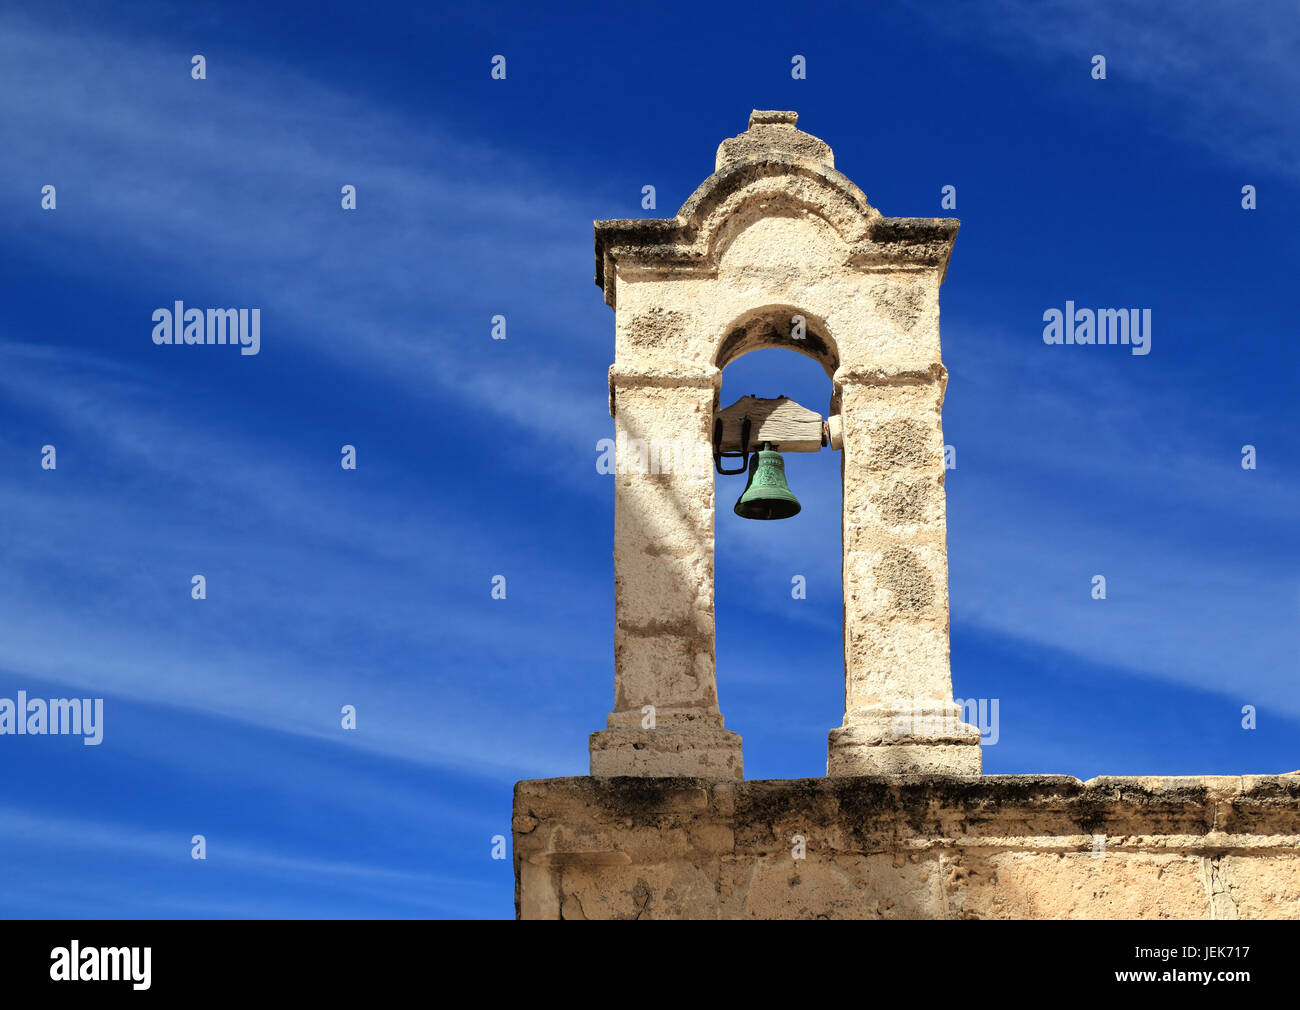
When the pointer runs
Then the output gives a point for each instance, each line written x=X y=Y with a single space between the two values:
x=778 y=249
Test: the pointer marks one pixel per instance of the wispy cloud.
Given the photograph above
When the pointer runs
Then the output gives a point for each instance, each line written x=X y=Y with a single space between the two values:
x=167 y=173
x=1216 y=75
x=289 y=674
x=169 y=851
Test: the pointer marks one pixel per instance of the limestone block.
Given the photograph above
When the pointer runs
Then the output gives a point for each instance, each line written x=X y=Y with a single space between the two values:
x=820 y=887
x=889 y=661
x=852 y=752
x=664 y=670
x=1247 y=886
x=669 y=751
x=892 y=580
x=1079 y=885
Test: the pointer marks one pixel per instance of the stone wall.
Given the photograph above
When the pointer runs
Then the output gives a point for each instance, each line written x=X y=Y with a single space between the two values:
x=946 y=847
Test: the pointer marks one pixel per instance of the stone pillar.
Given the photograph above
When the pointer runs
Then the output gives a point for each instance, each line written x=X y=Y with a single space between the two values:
x=666 y=719
x=899 y=713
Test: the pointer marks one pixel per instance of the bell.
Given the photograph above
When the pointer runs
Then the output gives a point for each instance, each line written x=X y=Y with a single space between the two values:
x=766 y=495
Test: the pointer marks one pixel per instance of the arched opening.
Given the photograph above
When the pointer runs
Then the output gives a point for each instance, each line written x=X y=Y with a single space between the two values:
x=785 y=326
x=778 y=588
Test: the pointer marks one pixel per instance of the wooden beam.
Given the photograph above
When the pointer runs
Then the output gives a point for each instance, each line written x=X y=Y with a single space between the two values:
x=781 y=421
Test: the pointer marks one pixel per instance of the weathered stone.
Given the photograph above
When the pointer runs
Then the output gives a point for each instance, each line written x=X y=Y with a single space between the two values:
x=979 y=847
x=904 y=826
x=776 y=232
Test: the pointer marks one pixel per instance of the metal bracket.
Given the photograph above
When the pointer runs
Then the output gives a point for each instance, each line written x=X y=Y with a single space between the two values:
x=719 y=455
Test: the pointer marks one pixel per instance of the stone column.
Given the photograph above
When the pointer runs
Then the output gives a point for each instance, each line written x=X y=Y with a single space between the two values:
x=666 y=719
x=899 y=713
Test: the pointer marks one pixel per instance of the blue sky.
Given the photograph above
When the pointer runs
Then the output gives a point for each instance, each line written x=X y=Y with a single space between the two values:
x=477 y=457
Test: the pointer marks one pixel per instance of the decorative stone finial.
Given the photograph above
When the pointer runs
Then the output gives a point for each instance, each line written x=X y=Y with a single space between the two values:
x=772 y=117
x=772 y=136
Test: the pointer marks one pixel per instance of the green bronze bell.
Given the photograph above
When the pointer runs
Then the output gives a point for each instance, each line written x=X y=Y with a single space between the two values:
x=766 y=495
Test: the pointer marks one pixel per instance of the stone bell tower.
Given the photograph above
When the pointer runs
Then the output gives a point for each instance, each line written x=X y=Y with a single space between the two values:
x=778 y=249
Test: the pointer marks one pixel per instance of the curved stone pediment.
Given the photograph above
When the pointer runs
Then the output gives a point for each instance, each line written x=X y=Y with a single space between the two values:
x=771 y=170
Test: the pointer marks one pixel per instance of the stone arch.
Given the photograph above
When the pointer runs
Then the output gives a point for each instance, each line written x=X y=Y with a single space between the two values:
x=794 y=192
x=771 y=326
